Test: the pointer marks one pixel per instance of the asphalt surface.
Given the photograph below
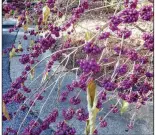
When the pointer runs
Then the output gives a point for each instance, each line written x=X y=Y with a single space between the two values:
x=7 y=40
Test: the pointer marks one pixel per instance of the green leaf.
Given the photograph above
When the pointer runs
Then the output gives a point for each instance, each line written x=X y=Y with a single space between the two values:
x=12 y=12
x=124 y=107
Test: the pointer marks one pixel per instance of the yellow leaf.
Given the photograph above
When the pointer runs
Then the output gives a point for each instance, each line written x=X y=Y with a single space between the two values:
x=5 y=112
x=91 y=90
x=44 y=77
x=87 y=128
x=124 y=107
x=19 y=17
x=25 y=27
x=32 y=73
x=28 y=20
x=46 y=13
x=31 y=43
x=20 y=46
x=88 y=36
x=12 y=53
x=92 y=102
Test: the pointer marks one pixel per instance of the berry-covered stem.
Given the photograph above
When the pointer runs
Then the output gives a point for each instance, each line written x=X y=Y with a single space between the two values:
x=108 y=113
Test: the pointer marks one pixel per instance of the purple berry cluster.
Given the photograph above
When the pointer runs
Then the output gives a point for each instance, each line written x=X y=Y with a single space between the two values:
x=51 y=61
x=32 y=128
x=138 y=69
x=114 y=22
x=81 y=114
x=81 y=83
x=121 y=70
x=125 y=84
x=7 y=8
x=149 y=75
x=102 y=95
x=104 y=35
x=19 y=98
x=7 y=96
x=114 y=108
x=68 y=114
x=89 y=65
x=129 y=15
x=108 y=84
x=76 y=13
x=10 y=131
x=143 y=59
x=103 y=123
x=64 y=129
x=90 y=48
x=25 y=58
x=124 y=33
x=51 y=118
x=46 y=43
x=75 y=100
x=132 y=55
x=101 y=99
x=13 y=94
x=145 y=88
x=50 y=3
x=146 y=12
x=63 y=96
x=123 y=50
x=148 y=41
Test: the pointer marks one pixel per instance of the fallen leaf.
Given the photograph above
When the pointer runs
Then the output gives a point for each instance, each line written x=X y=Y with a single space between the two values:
x=5 y=112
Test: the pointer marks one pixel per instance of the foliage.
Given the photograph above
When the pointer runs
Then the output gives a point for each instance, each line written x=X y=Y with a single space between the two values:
x=122 y=69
